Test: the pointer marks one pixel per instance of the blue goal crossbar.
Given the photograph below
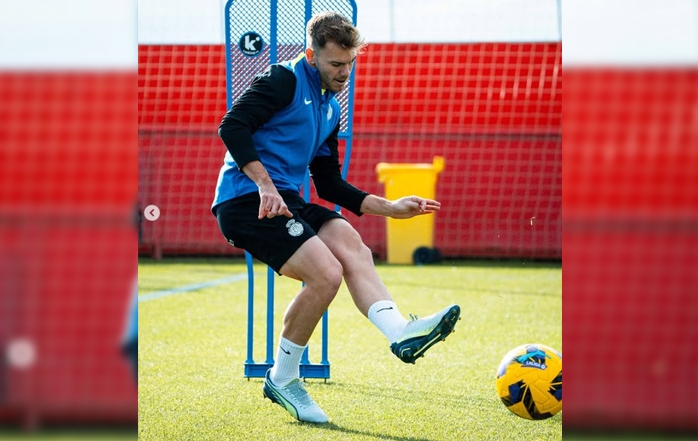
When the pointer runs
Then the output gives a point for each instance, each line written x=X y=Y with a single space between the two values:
x=259 y=33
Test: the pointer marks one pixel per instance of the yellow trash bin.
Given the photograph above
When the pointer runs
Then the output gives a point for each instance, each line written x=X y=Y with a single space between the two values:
x=406 y=235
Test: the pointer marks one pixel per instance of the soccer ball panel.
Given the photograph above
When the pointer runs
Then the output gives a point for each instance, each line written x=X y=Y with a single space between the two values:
x=529 y=381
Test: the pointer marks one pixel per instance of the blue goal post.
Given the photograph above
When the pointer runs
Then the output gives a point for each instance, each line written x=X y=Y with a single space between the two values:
x=259 y=33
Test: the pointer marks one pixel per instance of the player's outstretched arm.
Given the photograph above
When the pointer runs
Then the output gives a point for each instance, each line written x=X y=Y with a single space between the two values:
x=403 y=208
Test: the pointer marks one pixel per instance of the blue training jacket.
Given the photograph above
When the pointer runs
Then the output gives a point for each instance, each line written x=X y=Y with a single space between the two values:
x=294 y=135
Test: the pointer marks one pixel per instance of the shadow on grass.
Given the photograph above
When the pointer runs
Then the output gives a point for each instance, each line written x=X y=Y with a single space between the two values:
x=434 y=400
x=392 y=393
x=335 y=428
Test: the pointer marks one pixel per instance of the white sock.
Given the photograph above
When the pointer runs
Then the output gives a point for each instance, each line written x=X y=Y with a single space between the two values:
x=288 y=360
x=385 y=316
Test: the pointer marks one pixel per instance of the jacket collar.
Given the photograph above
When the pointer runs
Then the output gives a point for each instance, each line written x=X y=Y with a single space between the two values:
x=313 y=76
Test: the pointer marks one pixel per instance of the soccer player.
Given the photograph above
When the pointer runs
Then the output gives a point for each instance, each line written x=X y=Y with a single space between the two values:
x=285 y=122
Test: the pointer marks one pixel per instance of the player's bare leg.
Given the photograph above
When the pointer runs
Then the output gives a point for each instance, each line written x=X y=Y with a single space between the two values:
x=409 y=340
x=363 y=282
x=314 y=264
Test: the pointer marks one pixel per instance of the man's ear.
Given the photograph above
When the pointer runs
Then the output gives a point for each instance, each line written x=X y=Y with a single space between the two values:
x=310 y=56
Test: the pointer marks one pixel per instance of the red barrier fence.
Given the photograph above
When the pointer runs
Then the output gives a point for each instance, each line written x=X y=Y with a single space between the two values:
x=492 y=110
x=630 y=311
x=67 y=246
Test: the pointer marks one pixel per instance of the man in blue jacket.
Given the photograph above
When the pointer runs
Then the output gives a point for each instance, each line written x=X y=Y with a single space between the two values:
x=286 y=121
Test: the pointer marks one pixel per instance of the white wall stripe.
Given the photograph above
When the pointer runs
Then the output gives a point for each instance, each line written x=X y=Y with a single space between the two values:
x=380 y=21
x=68 y=35
x=630 y=33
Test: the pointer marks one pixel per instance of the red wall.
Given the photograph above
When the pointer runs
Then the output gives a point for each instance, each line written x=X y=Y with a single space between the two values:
x=492 y=110
x=67 y=244
x=630 y=309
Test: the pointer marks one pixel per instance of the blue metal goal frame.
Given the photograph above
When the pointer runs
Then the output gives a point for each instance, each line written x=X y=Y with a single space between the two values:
x=270 y=51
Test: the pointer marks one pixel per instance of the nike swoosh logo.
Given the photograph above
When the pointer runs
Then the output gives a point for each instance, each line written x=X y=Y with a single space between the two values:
x=383 y=309
x=307 y=101
x=285 y=351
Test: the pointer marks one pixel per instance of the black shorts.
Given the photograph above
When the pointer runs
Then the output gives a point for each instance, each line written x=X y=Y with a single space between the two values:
x=273 y=241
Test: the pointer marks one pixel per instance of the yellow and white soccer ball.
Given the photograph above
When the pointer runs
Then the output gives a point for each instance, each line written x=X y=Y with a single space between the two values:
x=529 y=381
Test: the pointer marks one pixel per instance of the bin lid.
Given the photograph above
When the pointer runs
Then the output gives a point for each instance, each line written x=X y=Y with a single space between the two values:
x=383 y=168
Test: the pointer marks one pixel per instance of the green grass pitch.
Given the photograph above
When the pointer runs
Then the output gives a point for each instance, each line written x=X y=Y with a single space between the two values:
x=192 y=347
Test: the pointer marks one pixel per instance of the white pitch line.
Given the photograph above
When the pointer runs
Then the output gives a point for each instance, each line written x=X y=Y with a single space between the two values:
x=189 y=288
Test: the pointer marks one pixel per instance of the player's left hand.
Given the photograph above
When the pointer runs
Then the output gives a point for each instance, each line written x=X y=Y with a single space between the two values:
x=410 y=206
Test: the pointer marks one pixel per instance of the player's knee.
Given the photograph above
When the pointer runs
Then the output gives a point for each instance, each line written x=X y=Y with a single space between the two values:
x=356 y=250
x=334 y=277
x=353 y=243
x=328 y=279
x=364 y=253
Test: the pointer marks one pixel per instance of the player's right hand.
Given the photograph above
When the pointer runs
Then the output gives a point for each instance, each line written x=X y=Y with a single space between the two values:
x=271 y=203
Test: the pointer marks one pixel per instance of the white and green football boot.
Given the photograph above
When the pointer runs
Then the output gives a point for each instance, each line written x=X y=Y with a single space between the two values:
x=295 y=399
x=421 y=334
